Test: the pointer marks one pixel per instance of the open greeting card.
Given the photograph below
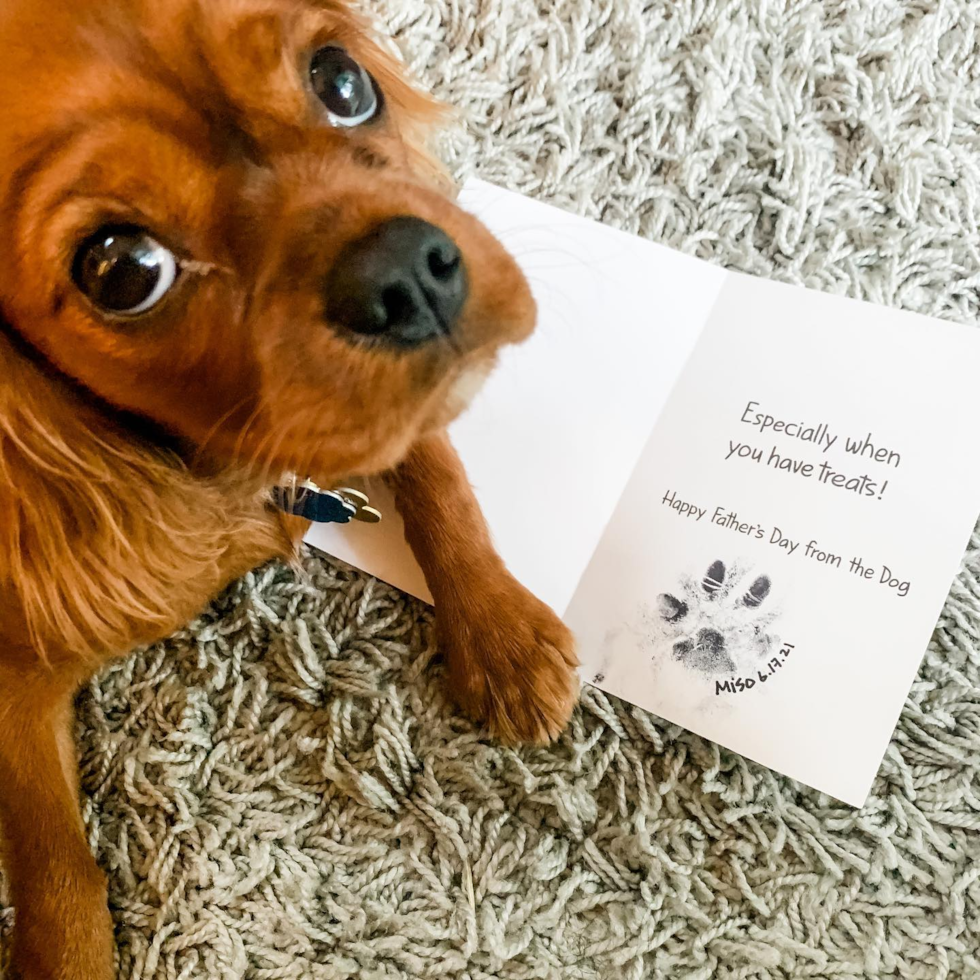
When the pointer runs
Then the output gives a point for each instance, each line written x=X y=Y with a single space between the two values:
x=747 y=499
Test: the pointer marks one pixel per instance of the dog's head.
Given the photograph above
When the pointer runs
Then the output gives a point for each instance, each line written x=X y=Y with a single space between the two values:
x=217 y=215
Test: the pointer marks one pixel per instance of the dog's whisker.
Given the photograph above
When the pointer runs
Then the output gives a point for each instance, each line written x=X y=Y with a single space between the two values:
x=214 y=429
x=245 y=431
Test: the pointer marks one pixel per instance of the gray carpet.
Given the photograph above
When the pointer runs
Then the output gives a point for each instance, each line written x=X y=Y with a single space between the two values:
x=281 y=790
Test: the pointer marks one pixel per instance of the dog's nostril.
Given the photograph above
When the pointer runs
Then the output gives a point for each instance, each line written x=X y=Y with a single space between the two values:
x=444 y=261
x=399 y=305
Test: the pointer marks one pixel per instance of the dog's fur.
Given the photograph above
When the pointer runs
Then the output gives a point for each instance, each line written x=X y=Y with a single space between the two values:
x=136 y=459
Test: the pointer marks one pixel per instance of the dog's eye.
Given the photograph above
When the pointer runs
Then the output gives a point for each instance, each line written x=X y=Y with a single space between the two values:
x=124 y=270
x=344 y=87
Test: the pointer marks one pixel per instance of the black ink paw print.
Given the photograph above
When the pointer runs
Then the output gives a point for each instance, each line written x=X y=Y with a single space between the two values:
x=719 y=623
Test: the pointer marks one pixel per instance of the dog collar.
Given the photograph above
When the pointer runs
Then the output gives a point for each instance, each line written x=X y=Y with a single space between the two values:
x=338 y=506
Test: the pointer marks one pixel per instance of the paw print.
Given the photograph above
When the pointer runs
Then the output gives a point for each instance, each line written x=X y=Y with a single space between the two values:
x=719 y=623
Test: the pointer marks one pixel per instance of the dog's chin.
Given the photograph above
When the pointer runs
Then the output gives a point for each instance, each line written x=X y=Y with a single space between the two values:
x=463 y=389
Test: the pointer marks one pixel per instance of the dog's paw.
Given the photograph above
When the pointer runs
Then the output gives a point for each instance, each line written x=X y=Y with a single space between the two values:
x=511 y=662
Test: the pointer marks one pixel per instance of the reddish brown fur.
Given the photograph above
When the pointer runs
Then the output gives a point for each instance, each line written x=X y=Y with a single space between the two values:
x=136 y=460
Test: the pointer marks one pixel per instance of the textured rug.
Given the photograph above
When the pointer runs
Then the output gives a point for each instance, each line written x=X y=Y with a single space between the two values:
x=281 y=790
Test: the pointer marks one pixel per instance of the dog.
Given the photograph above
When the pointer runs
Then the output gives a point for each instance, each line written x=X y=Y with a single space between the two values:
x=229 y=261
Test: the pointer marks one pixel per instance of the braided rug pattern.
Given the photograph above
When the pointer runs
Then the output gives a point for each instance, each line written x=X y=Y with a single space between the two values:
x=281 y=791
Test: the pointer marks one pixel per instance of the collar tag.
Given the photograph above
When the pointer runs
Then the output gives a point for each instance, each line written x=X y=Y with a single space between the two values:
x=338 y=506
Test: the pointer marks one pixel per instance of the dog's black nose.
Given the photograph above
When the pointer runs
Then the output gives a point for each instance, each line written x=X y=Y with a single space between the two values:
x=404 y=281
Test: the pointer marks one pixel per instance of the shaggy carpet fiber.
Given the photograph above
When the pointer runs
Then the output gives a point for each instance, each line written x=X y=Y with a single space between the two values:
x=281 y=791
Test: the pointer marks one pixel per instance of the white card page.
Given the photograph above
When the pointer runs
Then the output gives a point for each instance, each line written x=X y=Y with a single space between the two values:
x=774 y=588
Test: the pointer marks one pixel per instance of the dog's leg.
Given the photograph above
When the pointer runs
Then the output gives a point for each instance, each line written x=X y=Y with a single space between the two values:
x=62 y=927
x=510 y=659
